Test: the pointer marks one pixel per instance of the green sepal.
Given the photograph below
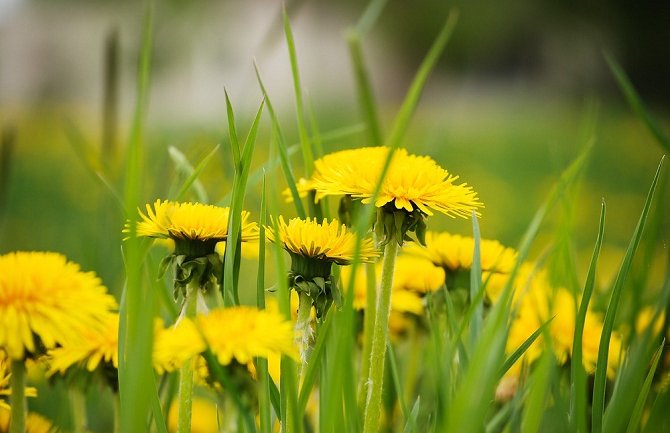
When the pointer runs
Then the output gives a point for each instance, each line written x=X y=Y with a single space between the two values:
x=164 y=265
x=319 y=290
x=397 y=224
x=204 y=271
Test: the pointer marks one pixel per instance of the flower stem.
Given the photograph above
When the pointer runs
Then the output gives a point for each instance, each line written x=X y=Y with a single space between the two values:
x=78 y=404
x=368 y=327
x=379 y=337
x=117 y=412
x=303 y=331
x=186 y=371
x=17 y=421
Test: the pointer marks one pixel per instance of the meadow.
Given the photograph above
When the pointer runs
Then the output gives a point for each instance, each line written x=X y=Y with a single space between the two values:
x=314 y=270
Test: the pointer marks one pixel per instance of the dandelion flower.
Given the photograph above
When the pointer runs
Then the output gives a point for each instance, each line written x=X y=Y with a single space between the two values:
x=455 y=252
x=46 y=300
x=191 y=221
x=91 y=349
x=233 y=334
x=413 y=183
x=313 y=248
x=195 y=229
x=417 y=275
x=34 y=423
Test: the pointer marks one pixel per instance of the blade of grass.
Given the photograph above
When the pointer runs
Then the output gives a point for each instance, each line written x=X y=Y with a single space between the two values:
x=135 y=342
x=157 y=412
x=518 y=353
x=366 y=97
x=535 y=406
x=231 y=261
x=110 y=105
x=305 y=145
x=578 y=403
x=636 y=417
x=395 y=375
x=232 y=132
x=401 y=121
x=283 y=153
x=410 y=425
x=476 y=282
x=313 y=363
x=184 y=167
x=475 y=392
x=636 y=103
x=265 y=415
x=600 y=381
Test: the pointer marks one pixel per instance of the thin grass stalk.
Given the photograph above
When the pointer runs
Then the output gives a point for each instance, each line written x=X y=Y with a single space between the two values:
x=600 y=381
x=116 y=412
x=264 y=409
x=137 y=306
x=578 y=375
x=365 y=95
x=110 y=104
x=17 y=399
x=186 y=371
x=373 y=405
x=303 y=331
x=368 y=326
x=78 y=406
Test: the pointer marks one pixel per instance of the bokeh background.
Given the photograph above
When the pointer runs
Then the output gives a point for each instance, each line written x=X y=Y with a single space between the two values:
x=506 y=109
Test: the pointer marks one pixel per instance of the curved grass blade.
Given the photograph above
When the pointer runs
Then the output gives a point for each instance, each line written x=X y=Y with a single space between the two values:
x=410 y=425
x=136 y=333
x=636 y=417
x=184 y=167
x=233 y=248
x=265 y=415
x=395 y=375
x=600 y=381
x=518 y=353
x=283 y=152
x=636 y=103
x=535 y=403
x=476 y=283
x=578 y=403
x=305 y=145
x=232 y=133
x=401 y=121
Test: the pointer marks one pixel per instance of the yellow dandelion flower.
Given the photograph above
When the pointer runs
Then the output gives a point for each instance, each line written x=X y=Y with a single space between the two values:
x=34 y=423
x=191 y=221
x=92 y=347
x=456 y=252
x=412 y=182
x=328 y=241
x=43 y=296
x=417 y=274
x=233 y=334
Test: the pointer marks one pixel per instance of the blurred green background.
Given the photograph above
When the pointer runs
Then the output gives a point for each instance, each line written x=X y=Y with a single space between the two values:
x=506 y=109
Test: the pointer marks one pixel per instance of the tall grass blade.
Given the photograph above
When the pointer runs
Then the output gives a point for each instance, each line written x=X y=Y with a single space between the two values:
x=233 y=248
x=535 y=406
x=191 y=174
x=518 y=353
x=366 y=97
x=600 y=381
x=401 y=121
x=395 y=375
x=476 y=283
x=265 y=415
x=636 y=416
x=136 y=331
x=232 y=133
x=283 y=152
x=110 y=105
x=475 y=392
x=305 y=145
x=578 y=401
x=411 y=425
x=636 y=103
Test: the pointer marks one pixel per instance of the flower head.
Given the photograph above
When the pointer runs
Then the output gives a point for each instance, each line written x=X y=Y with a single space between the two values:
x=314 y=248
x=233 y=334
x=455 y=252
x=412 y=182
x=92 y=349
x=191 y=221
x=46 y=300
x=34 y=423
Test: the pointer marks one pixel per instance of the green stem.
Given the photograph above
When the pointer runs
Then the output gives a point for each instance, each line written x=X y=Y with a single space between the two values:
x=186 y=371
x=373 y=404
x=303 y=331
x=78 y=404
x=368 y=327
x=117 y=412
x=17 y=420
